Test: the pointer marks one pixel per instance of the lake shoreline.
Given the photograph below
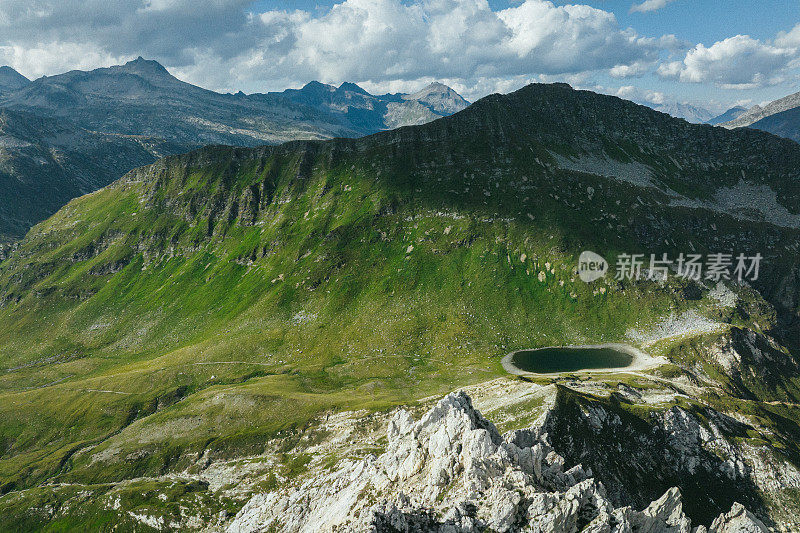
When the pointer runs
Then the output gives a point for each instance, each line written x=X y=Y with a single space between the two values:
x=640 y=360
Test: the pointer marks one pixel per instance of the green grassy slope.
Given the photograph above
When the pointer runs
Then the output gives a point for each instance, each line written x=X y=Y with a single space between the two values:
x=208 y=301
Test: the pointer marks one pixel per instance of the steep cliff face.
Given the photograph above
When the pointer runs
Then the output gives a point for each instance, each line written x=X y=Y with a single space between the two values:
x=638 y=459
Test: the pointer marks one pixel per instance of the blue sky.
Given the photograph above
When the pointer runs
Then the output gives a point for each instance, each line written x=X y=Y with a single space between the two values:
x=708 y=53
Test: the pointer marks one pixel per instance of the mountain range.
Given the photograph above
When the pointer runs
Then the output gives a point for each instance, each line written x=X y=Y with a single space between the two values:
x=757 y=112
x=781 y=117
x=367 y=113
x=73 y=133
x=731 y=114
x=688 y=112
x=142 y=98
x=696 y=114
x=220 y=340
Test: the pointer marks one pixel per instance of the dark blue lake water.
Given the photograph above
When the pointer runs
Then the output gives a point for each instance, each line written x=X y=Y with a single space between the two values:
x=552 y=360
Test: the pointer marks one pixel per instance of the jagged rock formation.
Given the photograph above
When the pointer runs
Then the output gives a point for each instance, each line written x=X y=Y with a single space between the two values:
x=637 y=460
x=453 y=472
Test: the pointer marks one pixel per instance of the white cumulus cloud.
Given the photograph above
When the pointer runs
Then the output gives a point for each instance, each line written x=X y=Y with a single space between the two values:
x=634 y=70
x=635 y=94
x=789 y=39
x=737 y=62
x=649 y=5
x=381 y=40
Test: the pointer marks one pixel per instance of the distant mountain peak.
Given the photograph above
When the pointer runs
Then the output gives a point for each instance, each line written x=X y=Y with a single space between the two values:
x=147 y=67
x=731 y=114
x=757 y=112
x=441 y=99
x=144 y=62
x=9 y=71
x=352 y=87
x=686 y=111
x=11 y=80
x=316 y=87
x=437 y=85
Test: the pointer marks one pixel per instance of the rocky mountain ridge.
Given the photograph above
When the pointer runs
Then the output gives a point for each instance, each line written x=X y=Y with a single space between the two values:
x=757 y=112
x=452 y=471
x=370 y=113
x=44 y=163
x=785 y=124
x=688 y=112
x=142 y=98
x=781 y=117
x=731 y=114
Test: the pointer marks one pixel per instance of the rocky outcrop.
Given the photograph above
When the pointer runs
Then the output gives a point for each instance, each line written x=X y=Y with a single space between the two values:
x=738 y=520
x=452 y=471
x=637 y=458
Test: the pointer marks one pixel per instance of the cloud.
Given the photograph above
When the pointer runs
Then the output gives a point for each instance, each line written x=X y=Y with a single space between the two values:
x=40 y=60
x=738 y=62
x=635 y=94
x=668 y=103
x=565 y=39
x=634 y=70
x=221 y=44
x=649 y=5
x=155 y=28
x=790 y=39
x=380 y=40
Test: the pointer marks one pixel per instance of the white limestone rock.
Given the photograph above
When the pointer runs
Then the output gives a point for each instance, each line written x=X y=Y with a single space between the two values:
x=738 y=520
x=452 y=472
